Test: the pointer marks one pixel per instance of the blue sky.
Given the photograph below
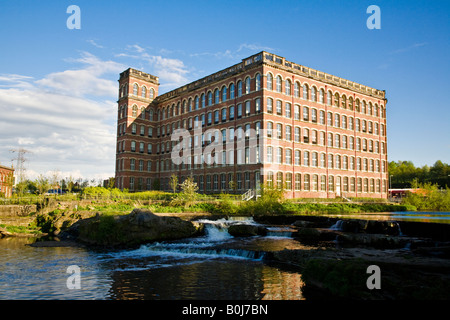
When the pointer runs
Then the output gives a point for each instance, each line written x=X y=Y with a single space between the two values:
x=58 y=86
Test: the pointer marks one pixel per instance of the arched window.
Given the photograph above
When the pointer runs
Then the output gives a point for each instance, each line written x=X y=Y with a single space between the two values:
x=336 y=100
x=196 y=102
x=329 y=94
x=232 y=91
x=203 y=100
x=210 y=98
x=216 y=96
x=313 y=94
x=134 y=111
x=258 y=82
x=305 y=91
x=322 y=96
x=247 y=85
x=344 y=101
x=135 y=89
x=269 y=81
x=150 y=117
x=152 y=93
x=279 y=85
x=239 y=88
x=287 y=87
x=224 y=93
x=297 y=89
x=144 y=92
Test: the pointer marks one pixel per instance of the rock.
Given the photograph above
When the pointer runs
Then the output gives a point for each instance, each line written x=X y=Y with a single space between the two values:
x=316 y=234
x=369 y=226
x=246 y=230
x=302 y=223
x=138 y=227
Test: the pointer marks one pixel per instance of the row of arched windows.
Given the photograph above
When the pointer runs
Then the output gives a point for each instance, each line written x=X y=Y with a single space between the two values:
x=287 y=156
x=142 y=91
x=314 y=94
x=315 y=182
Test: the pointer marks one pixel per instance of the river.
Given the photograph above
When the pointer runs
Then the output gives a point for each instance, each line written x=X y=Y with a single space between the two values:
x=215 y=266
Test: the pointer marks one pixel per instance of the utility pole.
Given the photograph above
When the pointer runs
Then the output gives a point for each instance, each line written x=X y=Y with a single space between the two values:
x=20 y=168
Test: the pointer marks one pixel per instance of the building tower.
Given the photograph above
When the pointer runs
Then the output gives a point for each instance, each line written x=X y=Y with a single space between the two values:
x=135 y=128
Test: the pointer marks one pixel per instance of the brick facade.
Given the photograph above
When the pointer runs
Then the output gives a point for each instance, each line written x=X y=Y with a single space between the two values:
x=317 y=134
x=6 y=181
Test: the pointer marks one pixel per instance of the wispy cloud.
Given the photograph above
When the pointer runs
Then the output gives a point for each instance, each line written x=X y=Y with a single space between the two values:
x=235 y=54
x=409 y=48
x=172 y=72
x=95 y=44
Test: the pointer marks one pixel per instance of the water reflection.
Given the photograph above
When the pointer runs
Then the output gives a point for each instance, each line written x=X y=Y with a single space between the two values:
x=416 y=216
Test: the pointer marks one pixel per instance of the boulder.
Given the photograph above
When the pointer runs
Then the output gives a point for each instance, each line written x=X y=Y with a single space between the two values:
x=246 y=230
x=138 y=227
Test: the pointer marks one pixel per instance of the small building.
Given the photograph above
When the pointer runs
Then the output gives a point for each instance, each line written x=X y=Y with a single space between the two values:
x=6 y=181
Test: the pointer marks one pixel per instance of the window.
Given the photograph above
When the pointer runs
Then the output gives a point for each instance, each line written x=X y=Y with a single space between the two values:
x=216 y=97
x=329 y=94
x=247 y=108
x=144 y=92
x=224 y=115
x=297 y=134
x=149 y=148
x=134 y=111
x=232 y=91
x=270 y=179
x=210 y=98
x=247 y=85
x=203 y=100
x=133 y=146
x=323 y=160
x=135 y=89
x=269 y=154
x=258 y=105
x=322 y=117
x=297 y=156
x=279 y=131
x=322 y=96
x=330 y=161
x=289 y=181
x=132 y=164
x=288 y=157
x=337 y=122
x=314 y=160
x=152 y=93
x=269 y=105
x=287 y=86
x=330 y=183
x=279 y=155
x=306 y=182
x=287 y=110
x=279 y=179
x=305 y=113
x=279 y=85
x=269 y=129
x=314 y=115
x=298 y=179
x=305 y=91
x=288 y=135
x=239 y=88
x=306 y=135
x=330 y=139
x=258 y=82
x=313 y=94
x=269 y=81
x=209 y=118
x=216 y=116
x=239 y=110
x=297 y=90
x=306 y=158
x=279 y=108
x=232 y=113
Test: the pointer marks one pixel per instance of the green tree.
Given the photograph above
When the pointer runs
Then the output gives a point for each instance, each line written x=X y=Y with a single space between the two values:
x=173 y=183
x=42 y=184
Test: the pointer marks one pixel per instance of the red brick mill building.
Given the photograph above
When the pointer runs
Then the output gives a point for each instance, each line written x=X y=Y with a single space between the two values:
x=6 y=181
x=316 y=134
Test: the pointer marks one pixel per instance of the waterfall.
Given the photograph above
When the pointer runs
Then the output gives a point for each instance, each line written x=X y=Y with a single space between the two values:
x=337 y=226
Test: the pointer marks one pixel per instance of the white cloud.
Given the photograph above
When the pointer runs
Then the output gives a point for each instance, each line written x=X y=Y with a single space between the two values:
x=66 y=120
x=171 y=72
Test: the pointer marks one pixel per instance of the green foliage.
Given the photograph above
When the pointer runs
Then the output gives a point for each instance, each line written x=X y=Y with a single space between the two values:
x=404 y=173
x=429 y=197
x=188 y=193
